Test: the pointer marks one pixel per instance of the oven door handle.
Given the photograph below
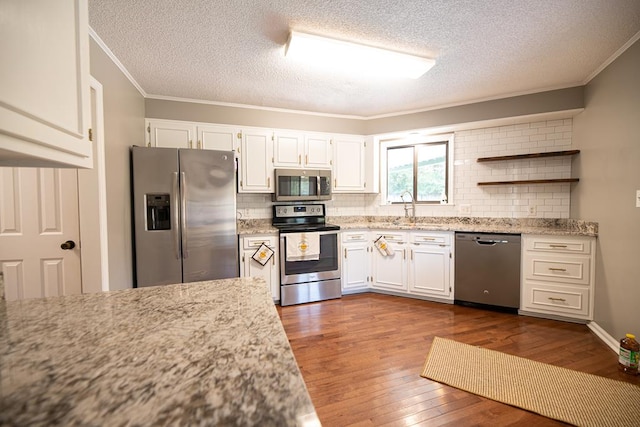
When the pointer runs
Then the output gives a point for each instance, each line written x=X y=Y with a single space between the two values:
x=321 y=233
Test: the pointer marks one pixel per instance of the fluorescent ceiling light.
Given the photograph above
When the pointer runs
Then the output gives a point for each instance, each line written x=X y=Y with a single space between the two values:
x=356 y=58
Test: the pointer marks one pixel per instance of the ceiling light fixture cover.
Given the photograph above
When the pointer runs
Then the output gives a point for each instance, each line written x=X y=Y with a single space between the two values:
x=356 y=58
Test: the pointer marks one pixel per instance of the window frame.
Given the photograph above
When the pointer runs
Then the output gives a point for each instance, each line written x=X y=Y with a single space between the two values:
x=413 y=141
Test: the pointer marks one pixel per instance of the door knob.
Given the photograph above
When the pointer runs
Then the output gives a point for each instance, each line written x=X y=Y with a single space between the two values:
x=68 y=245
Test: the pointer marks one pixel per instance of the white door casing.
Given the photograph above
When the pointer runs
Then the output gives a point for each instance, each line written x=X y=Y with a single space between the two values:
x=39 y=212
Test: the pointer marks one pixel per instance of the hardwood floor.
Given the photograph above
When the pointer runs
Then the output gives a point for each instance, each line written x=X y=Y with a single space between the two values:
x=361 y=358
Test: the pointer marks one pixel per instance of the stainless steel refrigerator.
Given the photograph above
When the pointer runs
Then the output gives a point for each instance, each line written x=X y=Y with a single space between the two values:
x=184 y=215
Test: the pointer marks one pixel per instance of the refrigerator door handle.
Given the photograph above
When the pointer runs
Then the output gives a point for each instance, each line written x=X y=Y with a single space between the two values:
x=176 y=224
x=183 y=214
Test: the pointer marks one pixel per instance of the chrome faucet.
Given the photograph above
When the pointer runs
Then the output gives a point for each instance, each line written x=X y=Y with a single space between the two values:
x=413 y=206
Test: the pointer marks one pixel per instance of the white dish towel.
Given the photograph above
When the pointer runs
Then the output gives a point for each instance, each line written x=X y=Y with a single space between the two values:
x=303 y=246
x=383 y=246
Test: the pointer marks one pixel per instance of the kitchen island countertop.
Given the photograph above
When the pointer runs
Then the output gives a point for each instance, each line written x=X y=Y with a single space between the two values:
x=206 y=353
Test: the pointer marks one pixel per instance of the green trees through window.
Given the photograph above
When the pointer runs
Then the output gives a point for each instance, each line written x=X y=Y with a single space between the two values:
x=420 y=169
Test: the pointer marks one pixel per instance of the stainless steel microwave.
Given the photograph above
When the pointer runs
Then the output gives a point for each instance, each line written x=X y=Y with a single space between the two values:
x=293 y=185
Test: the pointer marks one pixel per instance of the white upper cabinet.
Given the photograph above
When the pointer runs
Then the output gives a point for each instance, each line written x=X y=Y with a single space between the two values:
x=301 y=150
x=349 y=165
x=215 y=137
x=171 y=134
x=180 y=134
x=318 y=151
x=256 y=162
x=288 y=150
x=44 y=84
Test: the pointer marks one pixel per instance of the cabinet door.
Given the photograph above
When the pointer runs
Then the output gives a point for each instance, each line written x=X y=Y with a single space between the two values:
x=270 y=272
x=348 y=161
x=252 y=268
x=256 y=161
x=355 y=266
x=218 y=137
x=390 y=272
x=288 y=150
x=44 y=88
x=429 y=267
x=318 y=151
x=171 y=134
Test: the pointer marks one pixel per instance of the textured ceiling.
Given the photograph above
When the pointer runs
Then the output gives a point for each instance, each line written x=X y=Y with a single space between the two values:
x=231 y=51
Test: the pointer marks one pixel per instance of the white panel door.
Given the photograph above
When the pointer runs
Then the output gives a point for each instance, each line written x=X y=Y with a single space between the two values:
x=217 y=138
x=355 y=268
x=44 y=82
x=318 y=151
x=429 y=270
x=38 y=213
x=288 y=150
x=390 y=272
x=348 y=169
x=170 y=134
x=256 y=161
x=252 y=268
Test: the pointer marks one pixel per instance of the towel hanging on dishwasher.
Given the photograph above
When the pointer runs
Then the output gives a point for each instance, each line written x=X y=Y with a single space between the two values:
x=303 y=246
x=383 y=246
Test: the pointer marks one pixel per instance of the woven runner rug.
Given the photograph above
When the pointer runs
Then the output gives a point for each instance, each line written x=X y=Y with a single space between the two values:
x=563 y=394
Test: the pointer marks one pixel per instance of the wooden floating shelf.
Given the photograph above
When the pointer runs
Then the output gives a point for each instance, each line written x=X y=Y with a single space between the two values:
x=530 y=156
x=531 y=181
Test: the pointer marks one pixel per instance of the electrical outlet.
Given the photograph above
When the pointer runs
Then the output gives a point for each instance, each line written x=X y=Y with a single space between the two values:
x=532 y=210
x=465 y=209
x=637 y=198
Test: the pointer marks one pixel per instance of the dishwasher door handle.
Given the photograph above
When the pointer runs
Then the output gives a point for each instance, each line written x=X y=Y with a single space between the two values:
x=490 y=242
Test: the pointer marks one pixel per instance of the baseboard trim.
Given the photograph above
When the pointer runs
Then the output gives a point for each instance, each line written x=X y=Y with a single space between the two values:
x=604 y=336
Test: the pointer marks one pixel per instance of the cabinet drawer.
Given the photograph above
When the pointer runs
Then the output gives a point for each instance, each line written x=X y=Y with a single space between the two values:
x=558 y=244
x=575 y=270
x=390 y=237
x=563 y=300
x=354 y=236
x=431 y=238
x=256 y=241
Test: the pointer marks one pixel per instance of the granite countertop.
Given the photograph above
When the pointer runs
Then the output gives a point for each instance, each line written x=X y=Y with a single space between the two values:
x=560 y=227
x=206 y=353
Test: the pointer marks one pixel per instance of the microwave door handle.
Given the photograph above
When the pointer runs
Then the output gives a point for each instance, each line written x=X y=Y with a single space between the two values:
x=318 y=186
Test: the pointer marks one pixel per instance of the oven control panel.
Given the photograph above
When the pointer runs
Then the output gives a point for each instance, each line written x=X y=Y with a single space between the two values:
x=298 y=211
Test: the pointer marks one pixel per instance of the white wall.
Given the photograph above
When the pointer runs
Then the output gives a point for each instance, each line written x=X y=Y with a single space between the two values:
x=124 y=127
x=549 y=201
x=608 y=135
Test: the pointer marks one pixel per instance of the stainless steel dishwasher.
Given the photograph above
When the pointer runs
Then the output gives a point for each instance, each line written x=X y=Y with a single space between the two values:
x=487 y=270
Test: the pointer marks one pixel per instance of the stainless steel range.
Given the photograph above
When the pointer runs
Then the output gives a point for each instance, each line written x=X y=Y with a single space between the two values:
x=310 y=262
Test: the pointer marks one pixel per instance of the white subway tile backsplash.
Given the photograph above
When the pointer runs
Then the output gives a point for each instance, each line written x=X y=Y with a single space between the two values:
x=551 y=200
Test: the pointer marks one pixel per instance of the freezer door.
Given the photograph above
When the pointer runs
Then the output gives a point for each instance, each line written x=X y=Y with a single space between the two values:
x=208 y=201
x=156 y=216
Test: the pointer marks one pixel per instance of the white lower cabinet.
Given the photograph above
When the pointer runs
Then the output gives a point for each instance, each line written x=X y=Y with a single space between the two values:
x=430 y=266
x=389 y=271
x=419 y=265
x=356 y=262
x=251 y=268
x=557 y=276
